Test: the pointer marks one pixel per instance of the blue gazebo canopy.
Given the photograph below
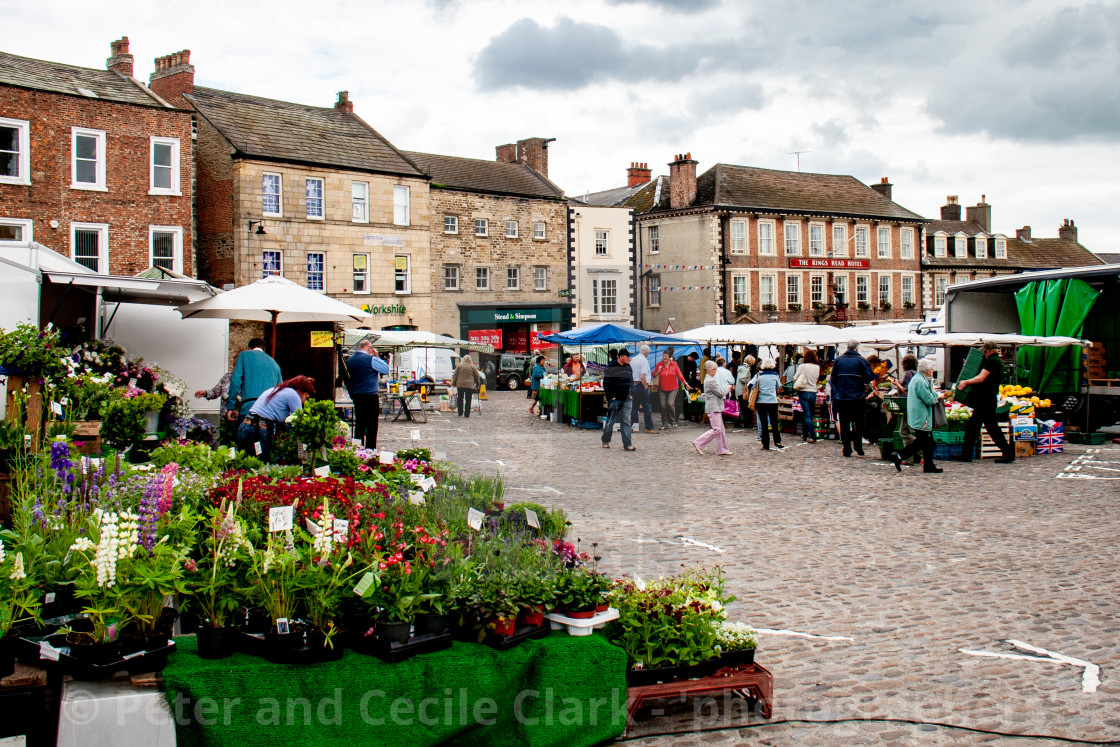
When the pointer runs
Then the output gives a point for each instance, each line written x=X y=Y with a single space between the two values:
x=607 y=334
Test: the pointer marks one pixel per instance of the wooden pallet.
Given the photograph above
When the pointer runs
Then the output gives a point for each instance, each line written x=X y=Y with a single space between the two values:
x=1104 y=382
x=988 y=448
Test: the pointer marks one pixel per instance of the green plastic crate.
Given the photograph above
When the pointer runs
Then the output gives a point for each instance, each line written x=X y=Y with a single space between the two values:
x=1090 y=439
x=948 y=436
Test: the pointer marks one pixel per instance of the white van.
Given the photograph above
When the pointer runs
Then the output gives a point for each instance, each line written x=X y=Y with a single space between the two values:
x=438 y=363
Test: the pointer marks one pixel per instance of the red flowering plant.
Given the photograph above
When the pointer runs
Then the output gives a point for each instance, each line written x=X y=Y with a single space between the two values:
x=326 y=575
x=397 y=593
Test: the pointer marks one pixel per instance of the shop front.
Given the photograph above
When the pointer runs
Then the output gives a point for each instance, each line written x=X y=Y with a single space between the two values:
x=513 y=328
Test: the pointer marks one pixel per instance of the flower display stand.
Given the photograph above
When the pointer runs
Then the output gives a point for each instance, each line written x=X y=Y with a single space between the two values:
x=577 y=626
x=752 y=682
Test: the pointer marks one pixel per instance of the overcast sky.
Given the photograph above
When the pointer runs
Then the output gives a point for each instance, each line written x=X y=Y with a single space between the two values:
x=1016 y=100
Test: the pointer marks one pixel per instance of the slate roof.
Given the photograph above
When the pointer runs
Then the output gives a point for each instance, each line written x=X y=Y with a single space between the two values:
x=951 y=227
x=1109 y=258
x=55 y=77
x=295 y=133
x=477 y=175
x=639 y=198
x=1042 y=254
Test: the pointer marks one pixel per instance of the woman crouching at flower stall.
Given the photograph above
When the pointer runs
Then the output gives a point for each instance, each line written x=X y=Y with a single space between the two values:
x=269 y=414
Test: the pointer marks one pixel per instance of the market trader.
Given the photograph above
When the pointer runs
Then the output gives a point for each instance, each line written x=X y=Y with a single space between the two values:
x=366 y=369
x=639 y=390
x=983 y=402
x=254 y=372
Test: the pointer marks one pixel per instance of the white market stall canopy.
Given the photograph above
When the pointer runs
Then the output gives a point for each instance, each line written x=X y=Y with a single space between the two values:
x=407 y=339
x=868 y=336
x=887 y=335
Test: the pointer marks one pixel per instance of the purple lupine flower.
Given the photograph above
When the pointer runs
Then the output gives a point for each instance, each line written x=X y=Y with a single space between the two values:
x=61 y=464
x=149 y=514
x=37 y=514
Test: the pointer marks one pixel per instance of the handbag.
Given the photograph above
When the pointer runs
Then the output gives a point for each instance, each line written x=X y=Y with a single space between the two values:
x=731 y=407
x=752 y=401
x=939 y=419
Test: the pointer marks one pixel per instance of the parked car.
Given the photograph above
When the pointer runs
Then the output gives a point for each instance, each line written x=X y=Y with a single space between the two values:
x=512 y=370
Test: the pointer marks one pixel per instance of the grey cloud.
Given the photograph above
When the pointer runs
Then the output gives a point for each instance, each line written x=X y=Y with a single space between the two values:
x=831 y=133
x=729 y=99
x=571 y=55
x=677 y=6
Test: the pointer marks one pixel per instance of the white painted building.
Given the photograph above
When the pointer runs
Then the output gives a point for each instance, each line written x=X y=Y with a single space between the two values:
x=601 y=264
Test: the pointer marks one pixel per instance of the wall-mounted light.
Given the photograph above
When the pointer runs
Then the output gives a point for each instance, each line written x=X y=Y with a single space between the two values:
x=260 y=227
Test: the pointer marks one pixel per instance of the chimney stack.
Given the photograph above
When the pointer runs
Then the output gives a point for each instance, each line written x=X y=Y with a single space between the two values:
x=638 y=173
x=344 y=103
x=682 y=181
x=173 y=76
x=951 y=210
x=1023 y=234
x=1068 y=231
x=981 y=214
x=533 y=152
x=121 y=61
x=883 y=187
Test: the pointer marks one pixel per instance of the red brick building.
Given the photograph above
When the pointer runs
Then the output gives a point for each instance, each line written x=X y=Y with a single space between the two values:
x=94 y=166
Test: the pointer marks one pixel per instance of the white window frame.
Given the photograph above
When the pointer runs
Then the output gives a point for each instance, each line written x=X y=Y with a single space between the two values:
x=883 y=248
x=906 y=243
x=821 y=281
x=960 y=247
x=739 y=237
x=816 y=245
x=26 y=224
x=766 y=241
x=940 y=285
x=407 y=274
x=981 y=243
x=793 y=289
x=451 y=225
x=482 y=274
x=598 y=296
x=364 y=274
x=863 y=231
x=884 y=277
x=23 y=162
x=866 y=288
x=307 y=182
x=359 y=204
x=174 y=189
x=791 y=244
x=540 y=230
x=280 y=254
x=402 y=205
x=840 y=287
x=482 y=227
x=452 y=276
x=177 y=246
x=907 y=293
x=940 y=245
x=513 y=278
x=602 y=242
x=654 y=240
x=654 y=288
x=540 y=278
x=762 y=298
x=322 y=273
x=279 y=195
x=840 y=240
x=511 y=229
x=1001 y=248
x=99 y=136
x=740 y=298
x=102 y=244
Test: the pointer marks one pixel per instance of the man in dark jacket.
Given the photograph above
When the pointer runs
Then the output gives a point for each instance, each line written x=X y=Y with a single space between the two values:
x=849 y=379
x=366 y=369
x=616 y=392
x=687 y=365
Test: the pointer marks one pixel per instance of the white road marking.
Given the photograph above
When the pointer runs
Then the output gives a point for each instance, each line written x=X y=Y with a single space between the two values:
x=542 y=489
x=690 y=541
x=489 y=461
x=768 y=631
x=1090 y=679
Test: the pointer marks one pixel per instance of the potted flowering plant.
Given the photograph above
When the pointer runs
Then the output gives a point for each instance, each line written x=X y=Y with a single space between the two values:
x=578 y=592
x=275 y=574
x=215 y=580
x=315 y=425
x=736 y=643
x=34 y=354
x=19 y=601
x=326 y=578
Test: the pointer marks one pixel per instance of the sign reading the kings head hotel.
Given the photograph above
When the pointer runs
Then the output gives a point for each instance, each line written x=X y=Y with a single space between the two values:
x=831 y=264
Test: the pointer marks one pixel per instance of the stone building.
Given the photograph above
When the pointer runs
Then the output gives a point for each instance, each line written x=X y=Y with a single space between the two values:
x=743 y=244
x=956 y=251
x=602 y=264
x=499 y=234
x=95 y=166
x=310 y=193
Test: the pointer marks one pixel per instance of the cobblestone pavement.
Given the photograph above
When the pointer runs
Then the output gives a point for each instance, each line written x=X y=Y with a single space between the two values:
x=913 y=568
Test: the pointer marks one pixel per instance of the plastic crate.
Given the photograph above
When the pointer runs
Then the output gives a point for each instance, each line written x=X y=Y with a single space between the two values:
x=894 y=404
x=970 y=368
x=947 y=451
x=887 y=445
x=948 y=436
x=1090 y=439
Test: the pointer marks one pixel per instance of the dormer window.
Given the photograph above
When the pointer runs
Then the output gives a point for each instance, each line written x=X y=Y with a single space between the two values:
x=1001 y=248
x=960 y=246
x=981 y=247
x=939 y=242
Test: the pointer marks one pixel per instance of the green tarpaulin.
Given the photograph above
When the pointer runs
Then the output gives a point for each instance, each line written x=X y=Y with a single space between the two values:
x=1052 y=307
x=559 y=690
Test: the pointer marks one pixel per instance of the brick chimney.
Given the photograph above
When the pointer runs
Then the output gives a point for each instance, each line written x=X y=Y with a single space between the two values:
x=981 y=214
x=173 y=76
x=951 y=210
x=121 y=61
x=883 y=187
x=1068 y=231
x=1023 y=234
x=638 y=173
x=682 y=181
x=344 y=103
x=532 y=152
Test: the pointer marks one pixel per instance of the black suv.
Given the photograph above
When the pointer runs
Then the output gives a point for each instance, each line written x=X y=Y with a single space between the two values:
x=513 y=370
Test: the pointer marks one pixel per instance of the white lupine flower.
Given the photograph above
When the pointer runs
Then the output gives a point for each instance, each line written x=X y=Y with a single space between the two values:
x=325 y=538
x=2 y=551
x=17 y=568
x=82 y=544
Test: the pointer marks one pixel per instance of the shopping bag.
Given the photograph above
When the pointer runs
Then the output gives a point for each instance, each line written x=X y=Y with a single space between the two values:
x=482 y=391
x=752 y=401
x=939 y=418
x=731 y=407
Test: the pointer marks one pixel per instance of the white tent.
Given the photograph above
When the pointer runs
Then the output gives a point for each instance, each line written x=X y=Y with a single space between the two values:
x=869 y=336
x=775 y=333
x=407 y=339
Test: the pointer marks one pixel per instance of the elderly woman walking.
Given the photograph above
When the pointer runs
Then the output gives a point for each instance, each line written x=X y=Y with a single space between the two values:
x=920 y=400
x=766 y=403
x=715 y=391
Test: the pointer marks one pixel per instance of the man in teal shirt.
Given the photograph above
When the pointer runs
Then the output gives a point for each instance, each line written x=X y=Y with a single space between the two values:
x=255 y=372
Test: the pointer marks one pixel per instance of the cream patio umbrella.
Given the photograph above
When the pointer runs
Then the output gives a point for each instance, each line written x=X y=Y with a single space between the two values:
x=273 y=299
